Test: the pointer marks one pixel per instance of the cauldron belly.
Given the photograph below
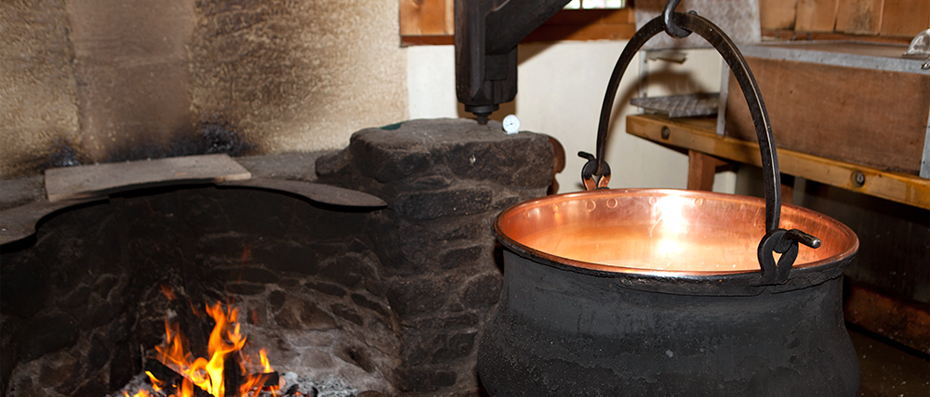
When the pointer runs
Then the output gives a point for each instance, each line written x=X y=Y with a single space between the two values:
x=560 y=331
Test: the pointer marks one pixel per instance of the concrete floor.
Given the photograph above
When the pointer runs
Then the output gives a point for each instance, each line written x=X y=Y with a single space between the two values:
x=888 y=370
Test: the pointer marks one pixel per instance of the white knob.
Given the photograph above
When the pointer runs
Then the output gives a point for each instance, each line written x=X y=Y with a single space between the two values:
x=511 y=124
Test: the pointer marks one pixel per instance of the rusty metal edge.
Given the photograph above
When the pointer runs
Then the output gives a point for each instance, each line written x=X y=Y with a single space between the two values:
x=20 y=222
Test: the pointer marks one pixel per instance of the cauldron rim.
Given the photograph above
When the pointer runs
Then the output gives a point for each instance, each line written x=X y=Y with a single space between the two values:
x=803 y=275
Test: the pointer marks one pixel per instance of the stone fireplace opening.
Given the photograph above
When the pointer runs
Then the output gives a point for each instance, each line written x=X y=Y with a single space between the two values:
x=392 y=300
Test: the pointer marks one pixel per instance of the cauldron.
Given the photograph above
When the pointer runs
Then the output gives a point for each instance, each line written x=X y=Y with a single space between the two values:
x=659 y=292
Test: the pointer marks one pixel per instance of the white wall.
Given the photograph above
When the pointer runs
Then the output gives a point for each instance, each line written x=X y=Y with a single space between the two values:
x=560 y=90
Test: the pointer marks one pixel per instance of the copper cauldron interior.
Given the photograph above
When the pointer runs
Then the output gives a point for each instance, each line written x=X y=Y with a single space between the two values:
x=662 y=231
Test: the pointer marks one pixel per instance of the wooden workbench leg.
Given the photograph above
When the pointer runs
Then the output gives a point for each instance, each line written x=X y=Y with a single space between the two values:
x=701 y=170
x=787 y=189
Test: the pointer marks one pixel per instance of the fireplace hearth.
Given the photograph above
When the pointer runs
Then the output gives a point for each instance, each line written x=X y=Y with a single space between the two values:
x=391 y=300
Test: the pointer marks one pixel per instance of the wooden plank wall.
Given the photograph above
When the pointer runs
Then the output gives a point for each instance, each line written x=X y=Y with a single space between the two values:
x=424 y=22
x=432 y=21
x=883 y=18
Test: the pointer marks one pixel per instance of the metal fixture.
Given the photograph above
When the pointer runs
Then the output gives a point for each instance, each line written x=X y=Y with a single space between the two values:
x=486 y=36
x=858 y=178
x=920 y=46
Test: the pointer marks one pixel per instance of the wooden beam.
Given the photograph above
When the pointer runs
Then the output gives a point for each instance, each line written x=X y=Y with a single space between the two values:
x=903 y=322
x=420 y=25
x=700 y=135
x=411 y=40
x=803 y=35
x=426 y=17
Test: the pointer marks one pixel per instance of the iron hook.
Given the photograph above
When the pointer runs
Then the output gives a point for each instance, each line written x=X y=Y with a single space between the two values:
x=589 y=170
x=670 y=26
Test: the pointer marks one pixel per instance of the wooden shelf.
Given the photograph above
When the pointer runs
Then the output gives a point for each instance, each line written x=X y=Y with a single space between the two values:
x=699 y=135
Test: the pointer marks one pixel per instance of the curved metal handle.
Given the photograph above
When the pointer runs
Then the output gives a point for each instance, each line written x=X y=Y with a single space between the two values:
x=771 y=176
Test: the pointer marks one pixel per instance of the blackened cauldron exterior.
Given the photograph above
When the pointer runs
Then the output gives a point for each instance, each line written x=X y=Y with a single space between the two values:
x=579 y=316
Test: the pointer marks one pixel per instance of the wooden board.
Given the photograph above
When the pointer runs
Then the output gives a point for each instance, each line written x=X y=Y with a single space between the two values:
x=905 y=17
x=700 y=135
x=859 y=16
x=426 y=17
x=777 y=14
x=420 y=25
x=871 y=117
x=586 y=25
x=816 y=15
x=319 y=192
x=102 y=179
x=790 y=35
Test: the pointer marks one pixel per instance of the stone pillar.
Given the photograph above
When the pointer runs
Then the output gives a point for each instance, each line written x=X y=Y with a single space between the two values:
x=445 y=181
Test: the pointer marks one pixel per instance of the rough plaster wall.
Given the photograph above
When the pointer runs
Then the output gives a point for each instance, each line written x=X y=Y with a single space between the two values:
x=299 y=75
x=294 y=75
x=37 y=86
x=131 y=64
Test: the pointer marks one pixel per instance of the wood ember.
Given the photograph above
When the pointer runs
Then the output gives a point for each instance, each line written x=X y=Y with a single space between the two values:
x=231 y=375
x=291 y=384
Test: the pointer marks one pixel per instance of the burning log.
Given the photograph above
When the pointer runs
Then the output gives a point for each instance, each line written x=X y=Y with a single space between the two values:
x=218 y=375
x=167 y=375
x=169 y=378
x=231 y=376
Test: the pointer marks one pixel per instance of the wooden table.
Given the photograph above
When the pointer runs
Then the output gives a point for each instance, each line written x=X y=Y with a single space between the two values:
x=904 y=322
x=706 y=150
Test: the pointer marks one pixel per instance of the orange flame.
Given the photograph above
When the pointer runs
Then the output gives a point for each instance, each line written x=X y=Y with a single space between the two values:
x=168 y=292
x=156 y=384
x=225 y=339
x=254 y=383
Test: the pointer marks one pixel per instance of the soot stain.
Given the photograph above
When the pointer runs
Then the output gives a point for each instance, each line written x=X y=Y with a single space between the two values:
x=213 y=135
x=62 y=154
x=220 y=136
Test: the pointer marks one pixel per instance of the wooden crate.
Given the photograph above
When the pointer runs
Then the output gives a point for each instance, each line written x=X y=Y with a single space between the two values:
x=856 y=102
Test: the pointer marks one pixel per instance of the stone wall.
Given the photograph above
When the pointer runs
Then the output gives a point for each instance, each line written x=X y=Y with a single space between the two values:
x=445 y=181
x=391 y=299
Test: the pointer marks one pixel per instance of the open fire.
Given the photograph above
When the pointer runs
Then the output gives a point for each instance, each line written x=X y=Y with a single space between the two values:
x=346 y=302
x=226 y=372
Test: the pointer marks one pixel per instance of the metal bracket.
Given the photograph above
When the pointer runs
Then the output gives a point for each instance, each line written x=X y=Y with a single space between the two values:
x=486 y=36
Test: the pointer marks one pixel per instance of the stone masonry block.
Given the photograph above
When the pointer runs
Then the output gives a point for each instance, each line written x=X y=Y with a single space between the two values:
x=460 y=257
x=418 y=296
x=496 y=161
x=451 y=202
x=482 y=291
x=387 y=156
